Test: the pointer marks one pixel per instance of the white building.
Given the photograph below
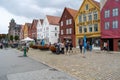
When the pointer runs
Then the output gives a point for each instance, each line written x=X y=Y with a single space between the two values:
x=51 y=29
x=40 y=29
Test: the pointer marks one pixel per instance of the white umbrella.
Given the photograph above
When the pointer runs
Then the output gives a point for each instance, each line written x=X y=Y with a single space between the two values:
x=27 y=39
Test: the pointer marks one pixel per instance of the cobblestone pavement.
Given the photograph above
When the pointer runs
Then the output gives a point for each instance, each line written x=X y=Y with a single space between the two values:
x=13 y=66
x=98 y=65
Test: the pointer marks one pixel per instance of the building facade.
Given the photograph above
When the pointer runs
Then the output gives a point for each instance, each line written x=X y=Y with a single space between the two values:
x=51 y=29
x=67 y=25
x=26 y=29
x=110 y=25
x=87 y=22
x=40 y=29
x=14 y=29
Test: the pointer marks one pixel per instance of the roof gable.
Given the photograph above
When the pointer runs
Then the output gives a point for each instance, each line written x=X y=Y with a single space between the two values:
x=71 y=11
x=95 y=3
x=53 y=20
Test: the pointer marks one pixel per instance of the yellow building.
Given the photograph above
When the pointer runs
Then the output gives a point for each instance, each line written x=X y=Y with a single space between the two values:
x=26 y=29
x=87 y=22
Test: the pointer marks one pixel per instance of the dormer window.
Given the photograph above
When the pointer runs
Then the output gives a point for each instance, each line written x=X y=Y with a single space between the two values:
x=86 y=7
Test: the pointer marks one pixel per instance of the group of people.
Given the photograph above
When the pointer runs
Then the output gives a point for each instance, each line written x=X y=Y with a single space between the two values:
x=64 y=47
x=87 y=47
x=1 y=46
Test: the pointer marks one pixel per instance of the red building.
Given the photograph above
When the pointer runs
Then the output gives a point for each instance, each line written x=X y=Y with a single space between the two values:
x=33 y=29
x=67 y=25
x=110 y=25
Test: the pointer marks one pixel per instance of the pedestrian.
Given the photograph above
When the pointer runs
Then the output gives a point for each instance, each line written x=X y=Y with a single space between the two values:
x=80 y=45
x=66 y=46
x=62 y=47
x=70 y=47
x=57 y=48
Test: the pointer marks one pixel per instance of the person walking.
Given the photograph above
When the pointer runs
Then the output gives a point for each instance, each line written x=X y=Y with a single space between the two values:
x=62 y=47
x=80 y=46
x=66 y=46
x=70 y=46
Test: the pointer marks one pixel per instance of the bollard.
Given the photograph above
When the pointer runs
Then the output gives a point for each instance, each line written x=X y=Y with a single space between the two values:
x=25 y=50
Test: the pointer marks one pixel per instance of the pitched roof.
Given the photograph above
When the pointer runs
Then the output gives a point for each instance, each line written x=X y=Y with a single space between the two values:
x=73 y=12
x=28 y=24
x=97 y=3
x=54 y=20
x=41 y=20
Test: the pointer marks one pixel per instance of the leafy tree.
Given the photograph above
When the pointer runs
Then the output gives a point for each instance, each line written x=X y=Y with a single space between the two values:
x=16 y=38
x=11 y=37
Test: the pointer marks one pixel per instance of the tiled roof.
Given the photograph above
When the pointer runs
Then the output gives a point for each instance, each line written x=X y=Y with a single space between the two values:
x=73 y=12
x=34 y=22
x=28 y=24
x=97 y=3
x=54 y=20
x=41 y=20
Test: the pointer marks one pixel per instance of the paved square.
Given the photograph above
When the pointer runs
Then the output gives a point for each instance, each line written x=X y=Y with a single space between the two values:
x=45 y=74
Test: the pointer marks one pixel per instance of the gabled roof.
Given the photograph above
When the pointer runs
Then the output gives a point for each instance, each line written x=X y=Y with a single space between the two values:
x=53 y=20
x=95 y=2
x=28 y=24
x=73 y=12
x=34 y=22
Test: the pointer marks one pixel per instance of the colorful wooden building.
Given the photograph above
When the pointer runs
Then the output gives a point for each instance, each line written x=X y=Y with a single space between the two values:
x=87 y=22
x=67 y=25
x=26 y=29
x=110 y=25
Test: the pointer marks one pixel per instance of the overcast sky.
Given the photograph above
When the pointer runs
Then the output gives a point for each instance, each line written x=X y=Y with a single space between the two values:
x=27 y=10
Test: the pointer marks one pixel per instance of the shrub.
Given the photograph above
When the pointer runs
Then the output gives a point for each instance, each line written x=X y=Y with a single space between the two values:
x=53 y=48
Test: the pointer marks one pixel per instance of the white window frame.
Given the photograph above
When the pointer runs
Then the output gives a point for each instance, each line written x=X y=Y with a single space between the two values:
x=70 y=31
x=115 y=24
x=61 y=23
x=115 y=12
x=95 y=13
x=90 y=26
x=61 y=32
x=107 y=13
x=107 y=25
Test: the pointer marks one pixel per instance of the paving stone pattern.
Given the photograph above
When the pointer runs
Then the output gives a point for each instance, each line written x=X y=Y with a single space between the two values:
x=98 y=65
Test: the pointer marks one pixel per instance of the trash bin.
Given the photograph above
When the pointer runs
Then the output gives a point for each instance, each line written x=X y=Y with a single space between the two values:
x=25 y=50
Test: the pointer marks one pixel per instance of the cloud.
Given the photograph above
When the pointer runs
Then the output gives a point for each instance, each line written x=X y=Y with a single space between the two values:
x=5 y=18
x=26 y=10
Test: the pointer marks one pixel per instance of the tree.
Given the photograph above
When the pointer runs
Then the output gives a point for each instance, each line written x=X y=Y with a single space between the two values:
x=11 y=37
x=16 y=38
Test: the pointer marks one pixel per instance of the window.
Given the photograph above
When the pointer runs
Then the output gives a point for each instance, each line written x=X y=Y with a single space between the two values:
x=107 y=25
x=66 y=31
x=86 y=7
x=84 y=18
x=80 y=29
x=107 y=14
x=85 y=29
x=115 y=24
x=95 y=16
x=90 y=17
x=90 y=28
x=70 y=31
x=115 y=12
x=66 y=22
x=61 y=32
x=95 y=27
x=70 y=21
x=61 y=23
x=80 y=18
x=55 y=28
